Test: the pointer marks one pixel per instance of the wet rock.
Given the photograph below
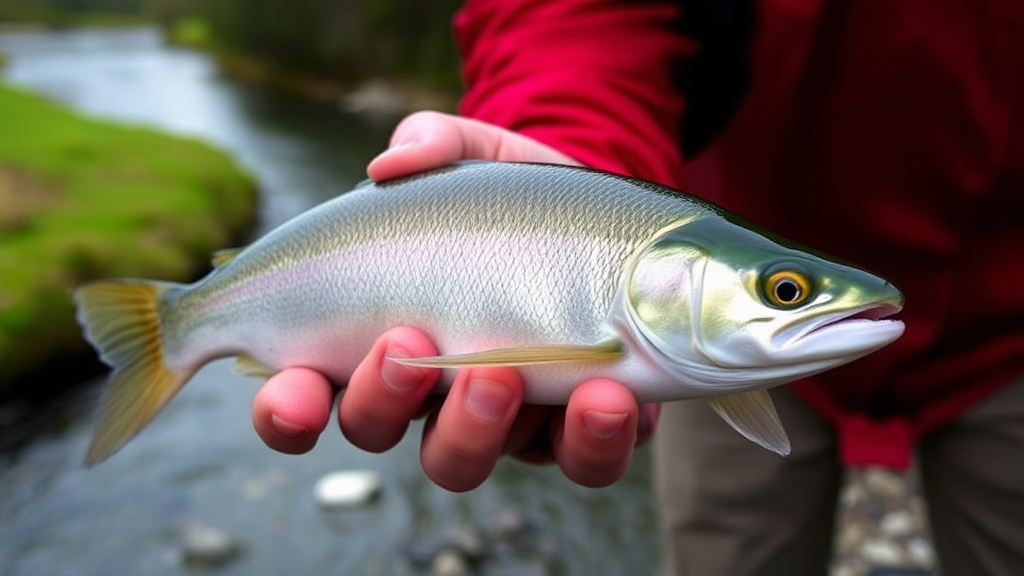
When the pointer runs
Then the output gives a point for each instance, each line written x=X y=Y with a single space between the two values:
x=510 y=522
x=206 y=546
x=469 y=543
x=347 y=488
x=450 y=562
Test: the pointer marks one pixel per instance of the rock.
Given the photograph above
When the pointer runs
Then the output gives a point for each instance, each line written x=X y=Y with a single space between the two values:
x=920 y=551
x=450 y=562
x=881 y=552
x=347 y=488
x=851 y=536
x=896 y=524
x=203 y=545
x=470 y=544
x=885 y=483
x=510 y=522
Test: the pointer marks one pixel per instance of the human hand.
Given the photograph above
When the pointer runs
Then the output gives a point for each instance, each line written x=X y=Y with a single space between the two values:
x=483 y=416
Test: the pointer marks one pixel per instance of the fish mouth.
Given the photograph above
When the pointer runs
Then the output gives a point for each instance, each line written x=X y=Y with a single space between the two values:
x=864 y=328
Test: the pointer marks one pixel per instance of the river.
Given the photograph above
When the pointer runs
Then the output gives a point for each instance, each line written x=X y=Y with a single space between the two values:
x=200 y=461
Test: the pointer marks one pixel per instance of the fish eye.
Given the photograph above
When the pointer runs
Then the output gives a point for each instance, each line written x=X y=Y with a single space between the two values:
x=787 y=288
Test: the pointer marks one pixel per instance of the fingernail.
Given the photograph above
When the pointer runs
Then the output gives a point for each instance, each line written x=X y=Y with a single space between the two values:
x=400 y=378
x=603 y=425
x=487 y=399
x=286 y=428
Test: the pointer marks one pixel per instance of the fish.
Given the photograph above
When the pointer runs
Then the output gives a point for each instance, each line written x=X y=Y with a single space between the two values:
x=566 y=273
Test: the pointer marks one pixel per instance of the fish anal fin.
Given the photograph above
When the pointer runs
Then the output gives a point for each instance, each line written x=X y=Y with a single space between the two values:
x=753 y=415
x=609 y=351
x=252 y=367
x=222 y=257
x=121 y=320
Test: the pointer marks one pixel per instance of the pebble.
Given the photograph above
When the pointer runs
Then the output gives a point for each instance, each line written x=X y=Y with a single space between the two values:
x=347 y=488
x=881 y=552
x=450 y=562
x=510 y=522
x=469 y=543
x=885 y=482
x=203 y=545
x=921 y=552
x=897 y=524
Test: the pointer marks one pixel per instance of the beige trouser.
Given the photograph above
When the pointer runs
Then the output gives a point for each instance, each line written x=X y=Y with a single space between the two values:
x=731 y=508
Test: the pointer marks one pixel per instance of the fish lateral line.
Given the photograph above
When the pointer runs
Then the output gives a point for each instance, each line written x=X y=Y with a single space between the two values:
x=608 y=351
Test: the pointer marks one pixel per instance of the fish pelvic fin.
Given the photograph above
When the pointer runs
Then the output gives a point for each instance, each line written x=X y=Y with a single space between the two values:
x=753 y=415
x=249 y=366
x=121 y=320
x=608 y=351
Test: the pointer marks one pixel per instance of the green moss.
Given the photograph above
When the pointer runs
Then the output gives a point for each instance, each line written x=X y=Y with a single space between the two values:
x=82 y=199
x=191 y=31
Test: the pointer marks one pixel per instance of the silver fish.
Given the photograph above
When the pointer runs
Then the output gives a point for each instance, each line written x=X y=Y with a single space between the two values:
x=567 y=273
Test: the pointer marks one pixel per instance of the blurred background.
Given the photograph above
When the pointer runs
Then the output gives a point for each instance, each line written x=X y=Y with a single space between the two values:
x=137 y=137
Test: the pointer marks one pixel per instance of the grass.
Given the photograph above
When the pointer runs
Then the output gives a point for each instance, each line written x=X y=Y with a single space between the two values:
x=82 y=199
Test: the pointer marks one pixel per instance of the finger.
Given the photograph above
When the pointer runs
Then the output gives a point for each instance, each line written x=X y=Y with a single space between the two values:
x=595 y=445
x=292 y=409
x=463 y=442
x=383 y=395
x=426 y=140
x=648 y=423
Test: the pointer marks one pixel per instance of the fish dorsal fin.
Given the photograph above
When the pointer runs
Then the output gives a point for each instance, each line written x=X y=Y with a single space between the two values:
x=607 y=351
x=250 y=366
x=753 y=415
x=222 y=257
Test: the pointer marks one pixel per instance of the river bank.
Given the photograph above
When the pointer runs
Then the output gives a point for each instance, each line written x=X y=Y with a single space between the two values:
x=374 y=94
x=82 y=199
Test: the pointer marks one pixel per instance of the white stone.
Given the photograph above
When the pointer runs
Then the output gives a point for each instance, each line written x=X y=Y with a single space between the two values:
x=206 y=545
x=347 y=488
x=881 y=552
x=896 y=524
x=450 y=563
x=921 y=552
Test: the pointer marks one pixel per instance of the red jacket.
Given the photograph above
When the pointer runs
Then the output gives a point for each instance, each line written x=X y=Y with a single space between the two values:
x=885 y=132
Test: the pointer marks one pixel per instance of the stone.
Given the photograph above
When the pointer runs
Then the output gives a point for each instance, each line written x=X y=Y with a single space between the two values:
x=203 y=545
x=896 y=524
x=920 y=551
x=885 y=482
x=449 y=562
x=347 y=488
x=881 y=552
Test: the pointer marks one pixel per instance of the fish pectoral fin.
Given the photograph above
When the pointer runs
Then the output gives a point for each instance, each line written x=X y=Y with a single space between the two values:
x=250 y=366
x=608 y=351
x=222 y=257
x=753 y=415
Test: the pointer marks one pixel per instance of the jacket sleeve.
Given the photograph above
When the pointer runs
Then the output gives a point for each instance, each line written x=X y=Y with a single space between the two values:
x=591 y=78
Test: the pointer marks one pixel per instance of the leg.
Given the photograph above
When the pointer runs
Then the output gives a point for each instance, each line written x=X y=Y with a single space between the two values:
x=972 y=471
x=730 y=508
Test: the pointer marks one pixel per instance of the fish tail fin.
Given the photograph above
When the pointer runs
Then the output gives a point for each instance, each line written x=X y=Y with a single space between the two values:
x=121 y=320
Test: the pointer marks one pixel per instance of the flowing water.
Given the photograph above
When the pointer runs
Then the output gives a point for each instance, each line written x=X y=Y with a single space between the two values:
x=200 y=461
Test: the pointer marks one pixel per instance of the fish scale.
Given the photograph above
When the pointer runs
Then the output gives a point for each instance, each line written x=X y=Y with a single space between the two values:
x=564 y=272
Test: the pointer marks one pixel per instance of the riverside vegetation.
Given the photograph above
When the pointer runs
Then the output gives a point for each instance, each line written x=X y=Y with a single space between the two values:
x=82 y=199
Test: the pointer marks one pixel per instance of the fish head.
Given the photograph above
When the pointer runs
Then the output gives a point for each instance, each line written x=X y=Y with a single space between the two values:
x=725 y=308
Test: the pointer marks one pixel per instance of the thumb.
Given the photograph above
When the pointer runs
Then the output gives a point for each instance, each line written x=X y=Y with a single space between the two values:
x=426 y=140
